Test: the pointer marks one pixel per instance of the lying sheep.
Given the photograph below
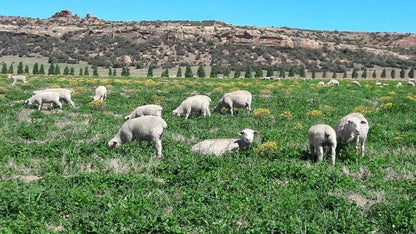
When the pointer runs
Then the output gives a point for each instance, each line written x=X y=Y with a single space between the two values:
x=320 y=84
x=197 y=103
x=17 y=78
x=220 y=146
x=409 y=83
x=236 y=99
x=399 y=84
x=321 y=136
x=151 y=109
x=44 y=97
x=145 y=128
x=353 y=129
x=379 y=83
x=333 y=83
x=356 y=83
x=100 y=93
x=64 y=94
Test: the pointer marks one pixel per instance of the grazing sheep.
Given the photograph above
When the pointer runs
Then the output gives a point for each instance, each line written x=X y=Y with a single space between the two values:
x=100 y=93
x=321 y=136
x=333 y=83
x=356 y=83
x=379 y=83
x=64 y=94
x=151 y=109
x=197 y=103
x=385 y=84
x=220 y=146
x=145 y=128
x=236 y=99
x=320 y=84
x=409 y=83
x=44 y=97
x=353 y=129
x=17 y=78
x=399 y=84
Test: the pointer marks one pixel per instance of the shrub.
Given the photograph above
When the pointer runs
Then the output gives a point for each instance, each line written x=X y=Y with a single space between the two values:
x=97 y=105
x=268 y=149
x=363 y=109
x=3 y=90
x=261 y=113
x=316 y=113
x=286 y=115
x=388 y=105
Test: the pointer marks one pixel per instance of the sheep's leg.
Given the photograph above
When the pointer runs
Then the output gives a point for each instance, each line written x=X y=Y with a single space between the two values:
x=333 y=155
x=362 y=148
x=248 y=107
x=320 y=153
x=59 y=104
x=312 y=149
x=357 y=144
x=231 y=110
x=14 y=82
x=158 y=146
x=209 y=113
x=52 y=105
x=70 y=102
x=40 y=106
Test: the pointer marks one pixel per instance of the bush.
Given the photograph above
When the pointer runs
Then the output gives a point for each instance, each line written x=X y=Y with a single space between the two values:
x=97 y=105
x=268 y=149
x=261 y=113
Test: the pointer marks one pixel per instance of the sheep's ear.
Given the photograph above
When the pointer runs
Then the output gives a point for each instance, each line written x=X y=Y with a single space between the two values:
x=255 y=132
x=242 y=133
x=126 y=118
x=363 y=122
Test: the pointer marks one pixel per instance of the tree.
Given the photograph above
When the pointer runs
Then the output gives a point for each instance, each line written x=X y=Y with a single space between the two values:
x=302 y=72
x=150 y=71
x=374 y=74
x=110 y=72
x=179 y=72
x=248 y=72
x=324 y=74
x=411 y=73
x=402 y=73
x=201 y=72
x=345 y=75
x=213 y=72
x=237 y=73
x=80 y=71
x=57 y=70
x=364 y=75
x=334 y=75
x=227 y=71
x=383 y=73
x=42 y=69
x=354 y=73
x=291 y=72
x=20 y=68
x=114 y=72
x=35 y=68
x=26 y=69
x=188 y=72
x=4 y=69
x=259 y=72
x=51 y=69
x=72 y=71
x=165 y=73
x=95 y=71
x=393 y=73
x=313 y=74
x=282 y=73
x=86 y=72
x=270 y=72
x=66 y=70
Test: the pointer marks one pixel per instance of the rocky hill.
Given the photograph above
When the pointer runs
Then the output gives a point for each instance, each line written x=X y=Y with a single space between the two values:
x=65 y=37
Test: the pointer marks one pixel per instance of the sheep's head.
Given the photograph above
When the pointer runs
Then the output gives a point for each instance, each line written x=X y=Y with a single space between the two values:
x=127 y=117
x=113 y=143
x=9 y=76
x=248 y=135
x=354 y=125
x=176 y=112
x=28 y=102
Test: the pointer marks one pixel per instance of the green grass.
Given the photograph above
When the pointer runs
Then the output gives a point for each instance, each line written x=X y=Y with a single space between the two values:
x=57 y=173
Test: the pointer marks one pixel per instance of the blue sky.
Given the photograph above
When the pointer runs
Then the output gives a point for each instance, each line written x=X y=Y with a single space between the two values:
x=342 y=15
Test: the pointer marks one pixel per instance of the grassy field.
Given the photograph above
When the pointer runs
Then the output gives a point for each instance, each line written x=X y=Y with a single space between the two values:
x=56 y=172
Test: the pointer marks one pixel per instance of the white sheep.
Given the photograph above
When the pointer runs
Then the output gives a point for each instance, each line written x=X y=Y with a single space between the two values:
x=100 y=93
x=399 y=84
x=21 y=78
x=333 y=83
x=197 y=103
x=353 y=129
x=356 y=83
x=151 y=109
x=321 y=136
x=64 y=94
x=44 y=97
x=236 y=99
x=409 y=83
x=385 y=84
x=145 y=128
x=220 y=146
x=320 y=84
x=378 y=83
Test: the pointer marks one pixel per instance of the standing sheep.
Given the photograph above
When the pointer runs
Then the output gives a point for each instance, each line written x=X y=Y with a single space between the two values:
x=320 y=84
x=197 y=103
x=44 y=97
x=64 y=94
x=333 y=83
x=151 y=109
x=17 y=78
x=220 y=146
x=356 y=83
x=236 y=99
x=100 y=93
x=321 y=136
x=353 y=129
x=145 y=128
x=411 y=84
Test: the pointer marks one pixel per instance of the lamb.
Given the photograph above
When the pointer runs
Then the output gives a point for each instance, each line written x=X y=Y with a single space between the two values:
x=409 y=83
x=379 y=83
x=197 y=103
x=333 y=83
x=17 y=78
x=151 y=109
x=145 y=128
x=64 y=94
x=356 y=83
x=100 y=93
x=321 y=136
x=399 y=84
x=353 y=128
x=320 y=84
x=44 y=97
x=218 y=147
x=236 y=99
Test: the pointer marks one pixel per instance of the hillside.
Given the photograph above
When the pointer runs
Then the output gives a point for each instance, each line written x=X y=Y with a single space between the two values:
x=68 y=38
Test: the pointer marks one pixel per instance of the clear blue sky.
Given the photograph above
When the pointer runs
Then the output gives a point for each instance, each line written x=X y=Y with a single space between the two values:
x=342 y=15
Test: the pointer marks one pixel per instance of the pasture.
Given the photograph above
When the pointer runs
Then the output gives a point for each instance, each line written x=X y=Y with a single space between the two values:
x=56 y=173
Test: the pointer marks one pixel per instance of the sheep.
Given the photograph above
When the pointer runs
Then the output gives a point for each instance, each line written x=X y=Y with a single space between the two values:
x=218 y=147
x=17 y=78
x=399 y=84
x=385 y=84
x=100 y=93
x=236 y=99
x=409 y=83
x=44 y=97
x=333 y=83
x=64 y=94
x=353 y=129
x=321 y=136
x=151 y=109
x=145 y=128
x=356 y=83
x=320 y=84
x=197 y=103
x=412 y=80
